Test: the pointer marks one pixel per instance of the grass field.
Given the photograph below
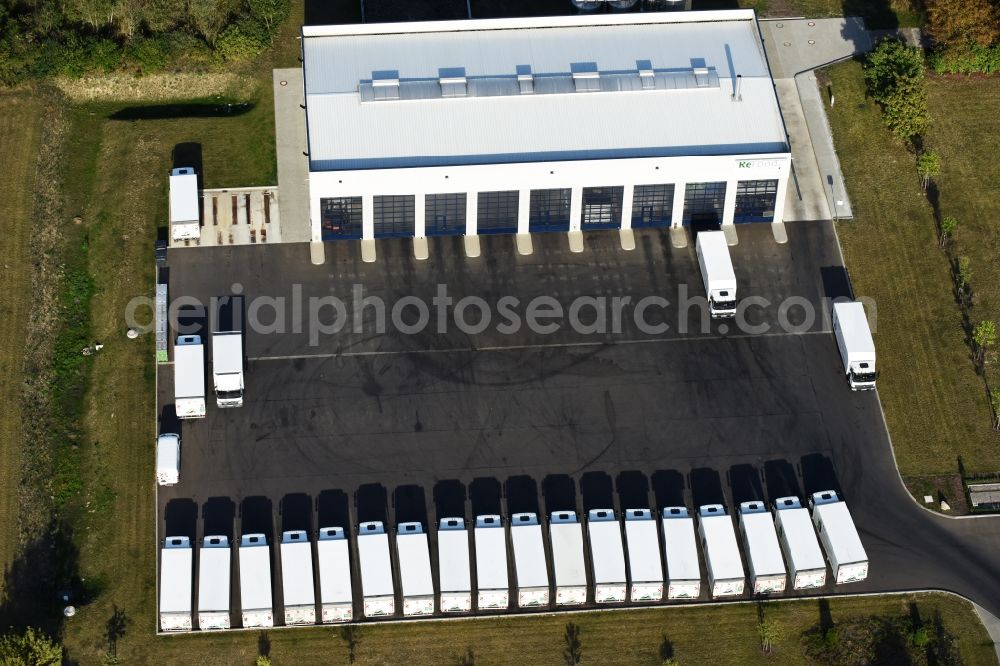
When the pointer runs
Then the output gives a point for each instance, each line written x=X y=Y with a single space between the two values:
x=934 y=402
x=20 y=128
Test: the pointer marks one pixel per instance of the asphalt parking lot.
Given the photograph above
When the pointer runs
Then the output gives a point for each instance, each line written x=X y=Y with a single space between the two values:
x=362 y=425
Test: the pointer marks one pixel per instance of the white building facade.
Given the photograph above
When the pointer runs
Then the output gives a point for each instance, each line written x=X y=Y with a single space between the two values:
x=518 y=126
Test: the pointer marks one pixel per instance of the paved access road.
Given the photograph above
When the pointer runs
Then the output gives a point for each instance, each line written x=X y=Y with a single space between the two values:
x=368 y=426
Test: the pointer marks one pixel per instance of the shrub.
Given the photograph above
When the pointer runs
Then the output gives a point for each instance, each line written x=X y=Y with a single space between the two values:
x=32 y=648
x=985 y=59
x=242 y=41
x=894 y=75
x=148 y=54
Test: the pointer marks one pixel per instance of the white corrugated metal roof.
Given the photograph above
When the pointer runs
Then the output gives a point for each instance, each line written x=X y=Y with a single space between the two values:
x=176 y=573
x=347 y=133
x=214 y=577
x=297 y=570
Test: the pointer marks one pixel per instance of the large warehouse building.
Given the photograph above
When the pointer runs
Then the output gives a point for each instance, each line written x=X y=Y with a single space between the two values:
x=517 y=126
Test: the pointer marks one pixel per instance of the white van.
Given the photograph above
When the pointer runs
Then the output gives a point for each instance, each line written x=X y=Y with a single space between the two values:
x=168 y=459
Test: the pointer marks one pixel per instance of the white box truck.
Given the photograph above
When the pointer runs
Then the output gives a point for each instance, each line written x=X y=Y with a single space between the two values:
x=760 y=541
x=607 y=556
x=176 y=576
x=492 y=582
x=530 y=571
x=214 y=564
x=454 y=574
x=566 y=537
x=376 y=570
x=168 y=459
x=642 y=542
x=717 y=273
x=726 y=577
x=680 y=551
x=256 y=603
x=189 y=377
x=415 y=577
x=185 y=215
x=227 y=368
x=857 y=348
x=297 y=578
x=336 y=596
x=806 y=565
x=835 y=526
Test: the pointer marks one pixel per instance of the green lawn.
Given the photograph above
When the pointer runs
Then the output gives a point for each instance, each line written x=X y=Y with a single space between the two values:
x=933 y=400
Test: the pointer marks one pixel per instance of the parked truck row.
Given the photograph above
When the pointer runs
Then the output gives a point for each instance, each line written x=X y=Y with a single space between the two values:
x=600 y=558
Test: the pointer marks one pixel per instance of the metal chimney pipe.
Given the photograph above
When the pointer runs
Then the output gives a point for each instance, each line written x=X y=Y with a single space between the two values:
x=737 y=94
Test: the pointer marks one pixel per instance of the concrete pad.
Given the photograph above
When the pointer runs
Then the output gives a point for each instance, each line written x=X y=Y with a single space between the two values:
x=805 y=198
x=523 y=242
x=420 y=252
x=799 y=45
x=627 y=238
x=368 y=250
x=992 y=625
x=317 y=254
x=678 y=237
x=472 y=247
x=293 y=165
x=732 y=238
x=822 y=142
x=575 y=241
x=780 y=234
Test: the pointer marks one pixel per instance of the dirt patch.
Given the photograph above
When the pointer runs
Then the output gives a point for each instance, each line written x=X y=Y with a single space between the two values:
x=154 y=87
x=947 y=487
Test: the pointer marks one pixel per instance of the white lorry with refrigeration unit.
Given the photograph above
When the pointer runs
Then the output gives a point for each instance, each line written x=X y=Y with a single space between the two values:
x=298 y=591
x=185 y=214
x=760 y=541
x=857 y=348
x=566 y=537
x=176 y=576
x=530 y=571
x=680 y=551
x=492 y=578
x=333 y=557
x=806 y=566
x=717 y=273
x=376 y=570
x=726 y=577
x=642 y=543
x=168 y=459
x=256 y=603
x=840 y=539
x=214 y=566
x=227 y=368
x=607 y=556
x=189 y=377
x=454 y=574
x=415 y=576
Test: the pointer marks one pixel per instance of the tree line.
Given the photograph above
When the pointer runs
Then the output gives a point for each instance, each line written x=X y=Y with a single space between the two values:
x=965 y=35
x=75 y=37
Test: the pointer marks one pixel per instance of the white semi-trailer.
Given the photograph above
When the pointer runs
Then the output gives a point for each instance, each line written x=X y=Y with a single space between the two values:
x=376 y=570
x=214 y=564
x=717 y=273
x=185 y=216
x=454 y=574
x=760 y=540
x=680 y=550
x=255 y=582
x=806 y=565
x=857 y=348
x=297 y=578
x=529 y=560
x=642 y=542
x=336 y=595
x=607 y=556
x=566 y=537
x=415 y=569
x=189 y=377
x=726 y=577
x=176 y=576
x=227 y=368
x=492 y=582
x=835 y=526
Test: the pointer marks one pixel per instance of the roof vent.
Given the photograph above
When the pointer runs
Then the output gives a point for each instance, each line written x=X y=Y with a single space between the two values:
x=646 y=75
x=385 y=84
x=700 y=76
x=525 y=79
x=453 y=82
x=586 y=78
